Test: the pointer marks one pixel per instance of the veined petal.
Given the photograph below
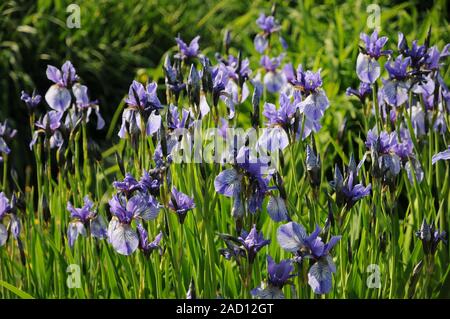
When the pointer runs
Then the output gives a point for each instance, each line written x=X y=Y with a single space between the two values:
x=260 y=43
x=58 y=98
x=75 y=228
x=153 y=123
x=367 y=68
x=226 y=182
x=291 y=236
x=276 y=208
x=274 y=81
x=319 y=277
x=98 y=227
x=124 y=239
x=395 y=93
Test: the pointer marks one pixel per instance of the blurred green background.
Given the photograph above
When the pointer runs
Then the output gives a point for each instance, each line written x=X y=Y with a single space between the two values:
x=122 y=40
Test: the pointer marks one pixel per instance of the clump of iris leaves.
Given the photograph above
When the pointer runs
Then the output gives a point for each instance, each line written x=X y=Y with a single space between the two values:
x=240 y=227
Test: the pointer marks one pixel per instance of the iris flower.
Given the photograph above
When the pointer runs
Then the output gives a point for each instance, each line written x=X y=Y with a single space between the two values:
x=142 y=102
x=49 y=126
x=83 y=219
x=144 y=244
x=188 y=51
x=58 y=95
x=395 y=89
x=268 y=26
x=274 y=80
x=278 y=276
x=14 y=226
x=180 y=203
x=6 y=136
x=367 y=66
x=430 y=237
x=32 y=101
x=249 y=177
x=84 y=103
x=247 y=245
x=292 y=237
x=122 y=236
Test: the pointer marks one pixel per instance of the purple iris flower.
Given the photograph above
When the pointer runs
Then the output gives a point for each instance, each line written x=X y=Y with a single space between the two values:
x=141 y=102
x=353 y=193
x=292 y=237
x=312 y=101
x=271 y=64
x=5 y=208
x=84 y=103
x=252 y=242
x=6 y=136
x=188 y=51
x=367 y=66
x=64 y=77
x=374 y=45
x=395 y=90
x=249 y=176
x=139 y=207
x=173 y=79
x=430 y=237
x=284 y=115
x=399 y=69
x=280 y=124
x=404 y=147
x=151 y=181
x=417 y=53
x=85 y=218
x=273 y=79
x=236 y=71
x=8 y=208
x=384 y=142
x=128 y=185
x=434 y=57
x=444 y=155
x=58 y=96
x=308 y=82
x=180 y=203
x=174 y=121
x=144 y=244
x=49 y=125
x=268 y=25
x=278 y=274
x=364 y=90
x=31 y=101
x=229 y=88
